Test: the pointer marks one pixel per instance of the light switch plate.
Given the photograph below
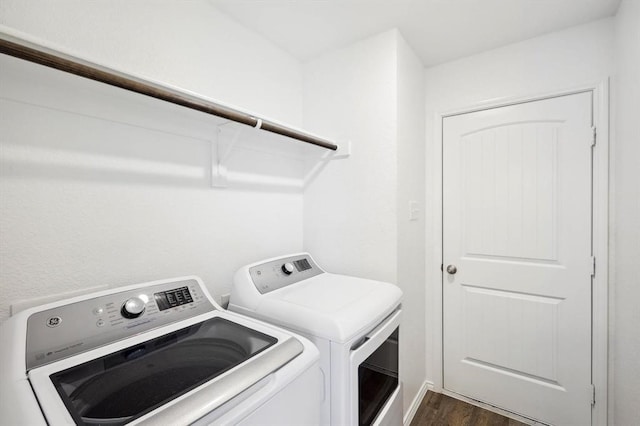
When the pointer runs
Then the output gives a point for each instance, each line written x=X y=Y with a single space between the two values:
x=414 y=211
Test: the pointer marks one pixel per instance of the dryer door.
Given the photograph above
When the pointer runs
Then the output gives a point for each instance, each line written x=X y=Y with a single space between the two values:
x=374 y=375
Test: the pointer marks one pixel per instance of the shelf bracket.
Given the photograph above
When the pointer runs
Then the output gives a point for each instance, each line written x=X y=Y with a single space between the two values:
x=220 y=153
x=343 y=151
x=225 y=140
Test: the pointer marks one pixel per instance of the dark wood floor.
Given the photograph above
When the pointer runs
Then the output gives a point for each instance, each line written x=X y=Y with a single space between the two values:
x=437 y=409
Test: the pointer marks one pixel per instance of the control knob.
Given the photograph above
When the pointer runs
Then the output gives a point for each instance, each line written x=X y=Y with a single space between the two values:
x=287 y=268
x=133 y=308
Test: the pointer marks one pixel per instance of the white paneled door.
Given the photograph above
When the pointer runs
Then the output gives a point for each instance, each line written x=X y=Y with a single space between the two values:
x=517 y=257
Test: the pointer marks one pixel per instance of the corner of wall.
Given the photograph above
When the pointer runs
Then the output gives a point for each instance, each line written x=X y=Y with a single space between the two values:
x=410 y=199
x=371 y=93
x=625 y=230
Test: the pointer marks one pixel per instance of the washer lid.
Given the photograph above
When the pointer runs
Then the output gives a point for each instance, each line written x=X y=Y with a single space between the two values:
x=127 y=384
x=334 y=307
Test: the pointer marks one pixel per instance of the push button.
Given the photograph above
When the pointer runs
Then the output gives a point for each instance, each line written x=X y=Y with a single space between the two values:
x=54 y=322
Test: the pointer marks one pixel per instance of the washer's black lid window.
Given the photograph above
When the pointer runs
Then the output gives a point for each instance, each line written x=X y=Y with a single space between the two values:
x=120 y=387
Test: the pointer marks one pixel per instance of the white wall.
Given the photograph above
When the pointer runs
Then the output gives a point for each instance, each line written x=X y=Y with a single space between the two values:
x=350 y=209
x=625 y=235
x=562 y=60
x=114 y=192
x=356 y=212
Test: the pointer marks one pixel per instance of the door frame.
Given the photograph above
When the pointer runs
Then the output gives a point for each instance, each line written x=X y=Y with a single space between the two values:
x=600 y=243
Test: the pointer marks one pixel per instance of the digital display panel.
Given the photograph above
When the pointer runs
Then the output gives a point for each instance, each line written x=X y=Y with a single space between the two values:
x=302 y=265
x=172 y=298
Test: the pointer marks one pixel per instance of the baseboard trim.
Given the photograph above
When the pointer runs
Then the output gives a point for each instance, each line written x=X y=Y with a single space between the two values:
x=415 y=404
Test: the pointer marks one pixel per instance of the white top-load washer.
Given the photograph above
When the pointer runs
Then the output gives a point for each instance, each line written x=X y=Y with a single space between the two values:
x=155 y=353
x=354 y=322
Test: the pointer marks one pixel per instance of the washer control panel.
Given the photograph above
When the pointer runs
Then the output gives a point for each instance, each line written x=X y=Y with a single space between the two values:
x=279 y=273
x=69 y=329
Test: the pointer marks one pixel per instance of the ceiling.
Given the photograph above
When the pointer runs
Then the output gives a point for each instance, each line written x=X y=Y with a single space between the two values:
x=438 y=30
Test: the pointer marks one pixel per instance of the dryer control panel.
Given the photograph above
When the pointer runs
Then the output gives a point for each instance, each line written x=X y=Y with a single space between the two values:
x=72 y=328
x=275 y=274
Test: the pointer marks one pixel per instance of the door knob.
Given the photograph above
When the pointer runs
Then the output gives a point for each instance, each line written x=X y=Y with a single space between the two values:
x=451 y=269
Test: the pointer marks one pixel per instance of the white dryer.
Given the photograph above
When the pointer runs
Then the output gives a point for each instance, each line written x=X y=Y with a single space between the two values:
x=156 y=353
x=354 y=322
